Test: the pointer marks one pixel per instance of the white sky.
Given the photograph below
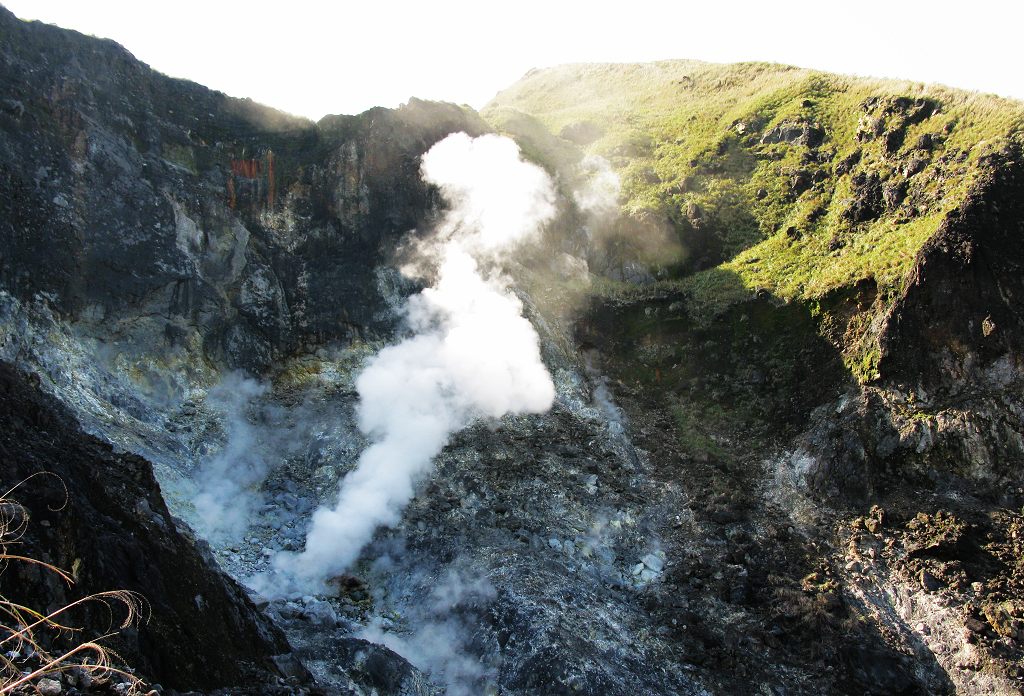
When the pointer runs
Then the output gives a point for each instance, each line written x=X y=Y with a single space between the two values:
x=314 y=58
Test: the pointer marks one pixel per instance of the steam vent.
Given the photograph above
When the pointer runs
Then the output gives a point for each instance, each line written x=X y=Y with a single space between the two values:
x=656 y=379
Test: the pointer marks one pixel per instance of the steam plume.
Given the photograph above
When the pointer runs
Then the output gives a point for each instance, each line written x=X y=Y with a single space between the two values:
x=228 y=480
x=472 y=353
x=442 y=624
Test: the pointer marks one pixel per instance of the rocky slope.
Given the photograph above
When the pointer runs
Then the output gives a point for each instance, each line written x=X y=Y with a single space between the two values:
x=100 y=516
x=851 y=336
x=800 y=475
x=154 y=234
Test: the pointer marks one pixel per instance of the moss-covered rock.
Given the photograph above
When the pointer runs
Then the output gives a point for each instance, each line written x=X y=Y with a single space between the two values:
x=798 y=182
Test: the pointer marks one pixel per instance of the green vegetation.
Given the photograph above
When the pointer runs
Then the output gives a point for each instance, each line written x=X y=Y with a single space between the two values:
x=181 y=155
x=774 y=179
x=695 y=428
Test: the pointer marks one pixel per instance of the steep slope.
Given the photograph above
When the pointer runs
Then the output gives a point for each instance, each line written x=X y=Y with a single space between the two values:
x=100 y=515
x=789 y=181
x=821 y=191
x=166 y=232
x=829 y=325
x=205 y=220
x=156 y=235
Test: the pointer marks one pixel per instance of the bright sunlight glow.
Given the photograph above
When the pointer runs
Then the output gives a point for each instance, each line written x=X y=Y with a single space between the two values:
x=316 y=58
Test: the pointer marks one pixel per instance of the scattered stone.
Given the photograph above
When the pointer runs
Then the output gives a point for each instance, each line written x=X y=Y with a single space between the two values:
x=83 y=679
x=48 y=687
x=289 y=665
x=320 y=612
x=974 y=625
x=799 y=182
x=1002 y=617
x=290 y=610
x=929 y=582
x=654 y=562
x=878 y=514
x=795 y=133
x=915 y=166
x=646 y=575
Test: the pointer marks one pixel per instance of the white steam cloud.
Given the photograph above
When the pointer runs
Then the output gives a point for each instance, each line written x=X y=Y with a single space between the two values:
x=227 y=482
x=603 y=401
x=598 y=196
x=472 y=353
x=441 y=632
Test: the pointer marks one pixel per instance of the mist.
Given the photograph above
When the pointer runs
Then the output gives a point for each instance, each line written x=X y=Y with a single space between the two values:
x=470 y=352
x=624 y=247
x=598 y=195
x=227 y=481
x=439 y=633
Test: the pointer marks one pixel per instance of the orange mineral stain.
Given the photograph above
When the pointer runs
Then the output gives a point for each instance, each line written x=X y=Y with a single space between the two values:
x=250 y=173
x=248 y=168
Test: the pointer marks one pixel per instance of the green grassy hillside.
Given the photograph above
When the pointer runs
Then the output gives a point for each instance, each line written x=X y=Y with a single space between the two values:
x=798 y=183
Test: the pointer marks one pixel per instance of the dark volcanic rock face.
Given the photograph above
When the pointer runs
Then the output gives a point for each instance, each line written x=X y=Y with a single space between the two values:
x=101 y=516
x=962 y=311
x=153 y=233
x=946 y=402
x=192 y=216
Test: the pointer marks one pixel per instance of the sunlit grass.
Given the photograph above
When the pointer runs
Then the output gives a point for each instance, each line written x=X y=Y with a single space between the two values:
x=795 y=219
